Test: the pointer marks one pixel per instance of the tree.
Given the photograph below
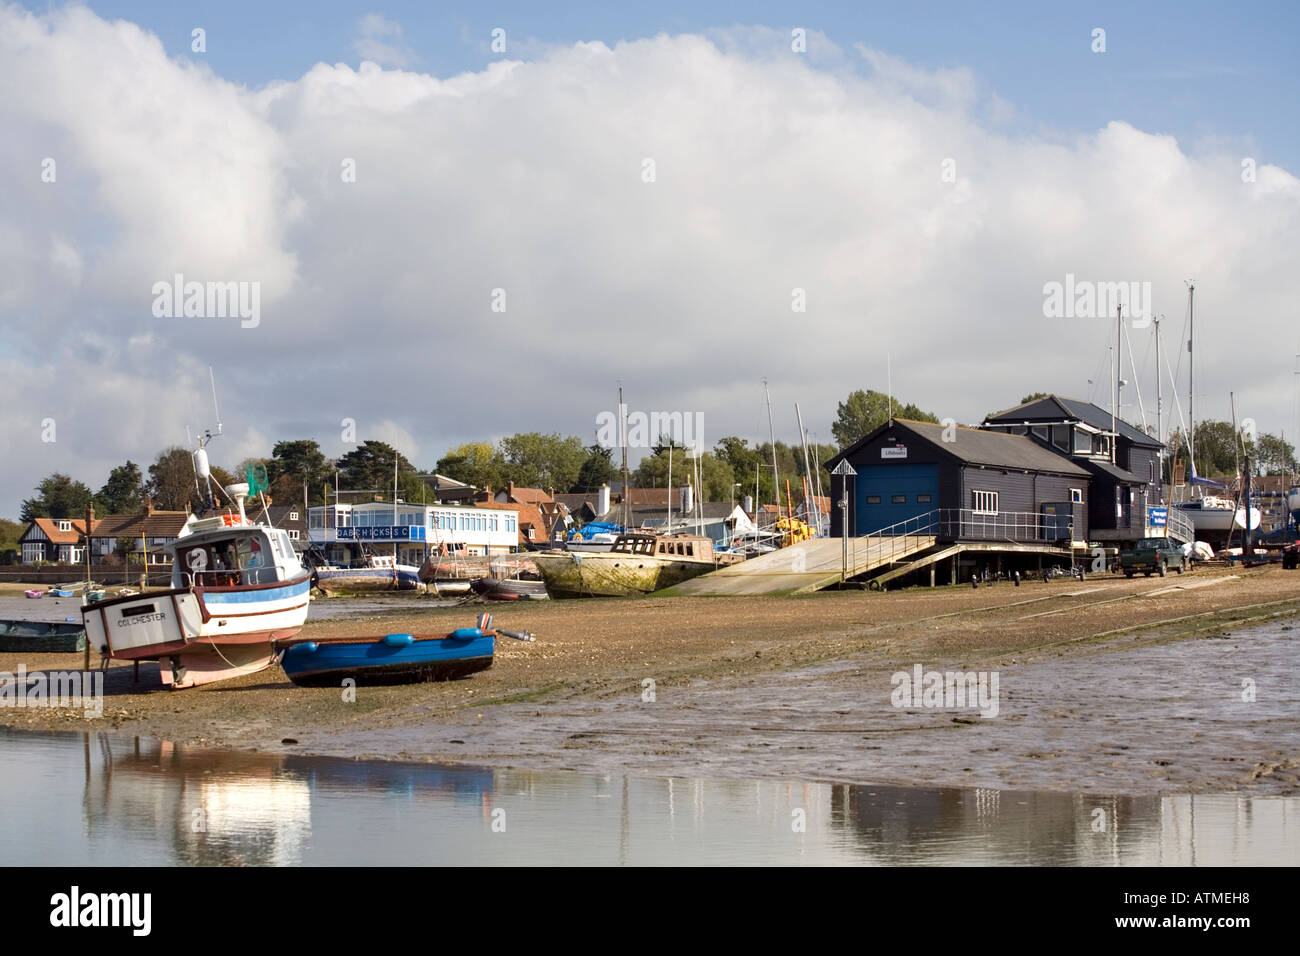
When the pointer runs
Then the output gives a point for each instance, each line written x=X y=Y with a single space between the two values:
x=1217 y=451
x=597 y=470
x=475 y=463
x=864 y=411
x=717 y=474
x=171 y=482
x=57 y=496
x=1033 y=397
x=1275 y=456
x=123 y=493
x=295 y=464
x=542 y=461
x=370 y=466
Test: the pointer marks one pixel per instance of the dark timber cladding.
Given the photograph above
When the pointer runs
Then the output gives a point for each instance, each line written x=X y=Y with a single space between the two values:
x=986 y=485
x=1081 y=432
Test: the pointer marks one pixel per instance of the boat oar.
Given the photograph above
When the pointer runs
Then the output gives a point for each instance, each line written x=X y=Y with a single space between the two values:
x=517 y=635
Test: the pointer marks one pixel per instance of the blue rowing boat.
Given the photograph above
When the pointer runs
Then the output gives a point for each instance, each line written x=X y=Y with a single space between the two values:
x=395 y=658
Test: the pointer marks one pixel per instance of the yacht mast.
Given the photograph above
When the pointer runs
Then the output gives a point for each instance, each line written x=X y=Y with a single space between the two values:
x=776 y=483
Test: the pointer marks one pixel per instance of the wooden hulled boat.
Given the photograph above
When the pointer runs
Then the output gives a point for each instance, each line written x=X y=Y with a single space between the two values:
x=380 y=573
x=638 y=563
x=452 y=574
x=509 y=589
x=42 y=636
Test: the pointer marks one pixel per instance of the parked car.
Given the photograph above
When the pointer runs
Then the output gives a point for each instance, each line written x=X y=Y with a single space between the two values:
x=1291 y=556
x=1152 y=554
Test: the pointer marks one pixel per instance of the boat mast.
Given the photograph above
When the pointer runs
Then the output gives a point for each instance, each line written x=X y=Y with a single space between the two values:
x=807 y=474
x=622 y=435
x=1191 y=372
x=1114 y=403
x=395 y=457
x=1160 y=454
x=776 y=482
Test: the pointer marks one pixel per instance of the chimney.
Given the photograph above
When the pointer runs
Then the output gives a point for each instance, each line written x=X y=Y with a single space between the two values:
x=510 y=491
x=688 y=498
x=148 y=505
x=602 y=501
x=748 y=506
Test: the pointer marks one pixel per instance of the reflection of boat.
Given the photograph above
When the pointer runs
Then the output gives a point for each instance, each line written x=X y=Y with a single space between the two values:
x=237 y=587
x=393 y=658
x=638 y=563
x=380 y=573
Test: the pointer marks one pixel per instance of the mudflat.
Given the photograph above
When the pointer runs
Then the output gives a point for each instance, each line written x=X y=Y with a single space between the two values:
x=1108 y=684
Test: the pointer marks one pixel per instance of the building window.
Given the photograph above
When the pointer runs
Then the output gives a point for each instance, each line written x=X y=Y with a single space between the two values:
x=1076 y=496
x=65 y=525
x=1082 y=442
x=293 y=534
x=984 y=502
x=898 y=499
x=293 y=516
x=924 y=499
x=873 y=499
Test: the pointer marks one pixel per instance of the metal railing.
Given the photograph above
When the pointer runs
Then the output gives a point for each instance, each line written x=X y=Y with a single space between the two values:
x=1178 y=525
x=954 y=524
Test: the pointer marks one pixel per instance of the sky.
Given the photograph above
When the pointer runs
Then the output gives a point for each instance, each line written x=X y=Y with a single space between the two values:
x=445 y=233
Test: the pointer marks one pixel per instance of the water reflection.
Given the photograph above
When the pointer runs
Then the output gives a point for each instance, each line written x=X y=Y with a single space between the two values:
x=141 y=801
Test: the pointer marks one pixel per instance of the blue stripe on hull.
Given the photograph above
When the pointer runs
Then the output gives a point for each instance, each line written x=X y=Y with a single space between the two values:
x=261 y=596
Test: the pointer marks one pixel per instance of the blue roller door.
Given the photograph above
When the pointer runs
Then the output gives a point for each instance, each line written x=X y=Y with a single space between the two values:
x=888 y=494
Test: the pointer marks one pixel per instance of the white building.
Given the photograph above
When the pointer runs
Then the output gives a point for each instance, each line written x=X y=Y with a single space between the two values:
x=344 y=532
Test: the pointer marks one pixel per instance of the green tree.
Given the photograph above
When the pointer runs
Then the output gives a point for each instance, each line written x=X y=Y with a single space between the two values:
x=1033 y=397
x=475 y=463
x=652 y=472
x=597 y=470
x=1217 y=450
x=864 y=411
x=535 y=460
x=370 y=466
x=295 y=464
x=57 y=496
x=10 y=531
x=1274 y=456
x=123 y=493
x=171 y=482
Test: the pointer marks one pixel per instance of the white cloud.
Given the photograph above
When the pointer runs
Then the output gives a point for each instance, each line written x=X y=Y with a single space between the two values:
x=379 y=40
x=771 y=173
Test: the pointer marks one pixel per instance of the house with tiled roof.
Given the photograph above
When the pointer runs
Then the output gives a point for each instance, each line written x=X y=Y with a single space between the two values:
x=532 y=526
x=64 y=539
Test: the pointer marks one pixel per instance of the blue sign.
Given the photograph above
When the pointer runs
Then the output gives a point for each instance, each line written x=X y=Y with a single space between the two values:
x=394 y=532
x=1159 y=517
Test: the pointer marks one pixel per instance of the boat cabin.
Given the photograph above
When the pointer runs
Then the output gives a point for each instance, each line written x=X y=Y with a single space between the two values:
x=214 y=554
x=683 y=547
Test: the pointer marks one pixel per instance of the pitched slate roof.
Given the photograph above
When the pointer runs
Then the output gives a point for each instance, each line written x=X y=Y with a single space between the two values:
x=1054 y=408
x=974 y=446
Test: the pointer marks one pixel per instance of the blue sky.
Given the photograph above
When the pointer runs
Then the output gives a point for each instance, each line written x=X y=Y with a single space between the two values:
x=1190 y=69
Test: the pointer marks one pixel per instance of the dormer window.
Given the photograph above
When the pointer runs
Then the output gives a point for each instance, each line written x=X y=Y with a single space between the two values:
x=65 y=525
x=293 y=516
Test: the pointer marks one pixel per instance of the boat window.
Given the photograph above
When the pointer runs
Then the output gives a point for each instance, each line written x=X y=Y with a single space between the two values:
x=690 y=551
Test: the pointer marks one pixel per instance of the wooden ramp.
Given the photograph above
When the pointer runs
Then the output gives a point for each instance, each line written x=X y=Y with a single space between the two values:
x=808 y=566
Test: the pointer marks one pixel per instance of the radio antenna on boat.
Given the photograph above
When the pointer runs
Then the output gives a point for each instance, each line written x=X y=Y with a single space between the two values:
x=212 y=378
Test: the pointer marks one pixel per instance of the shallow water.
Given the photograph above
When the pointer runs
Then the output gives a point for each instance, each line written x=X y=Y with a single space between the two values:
x=92 y=798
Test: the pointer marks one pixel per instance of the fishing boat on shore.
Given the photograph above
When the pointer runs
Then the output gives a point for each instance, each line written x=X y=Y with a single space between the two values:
x=638 y=563
x=237 y=587
x=454 y=573
x=395 y=658
x=378 y=573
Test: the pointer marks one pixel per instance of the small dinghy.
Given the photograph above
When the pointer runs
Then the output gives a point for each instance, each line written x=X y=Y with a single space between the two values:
x=509 y=589
x=62 y=592
x=34 y=593
x=395 y=658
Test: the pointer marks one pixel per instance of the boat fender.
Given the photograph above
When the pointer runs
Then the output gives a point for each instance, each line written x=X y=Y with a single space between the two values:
x=467 y=632
x=399 y=640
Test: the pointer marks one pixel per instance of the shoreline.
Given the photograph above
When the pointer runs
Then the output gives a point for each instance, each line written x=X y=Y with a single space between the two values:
x=797 y=686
